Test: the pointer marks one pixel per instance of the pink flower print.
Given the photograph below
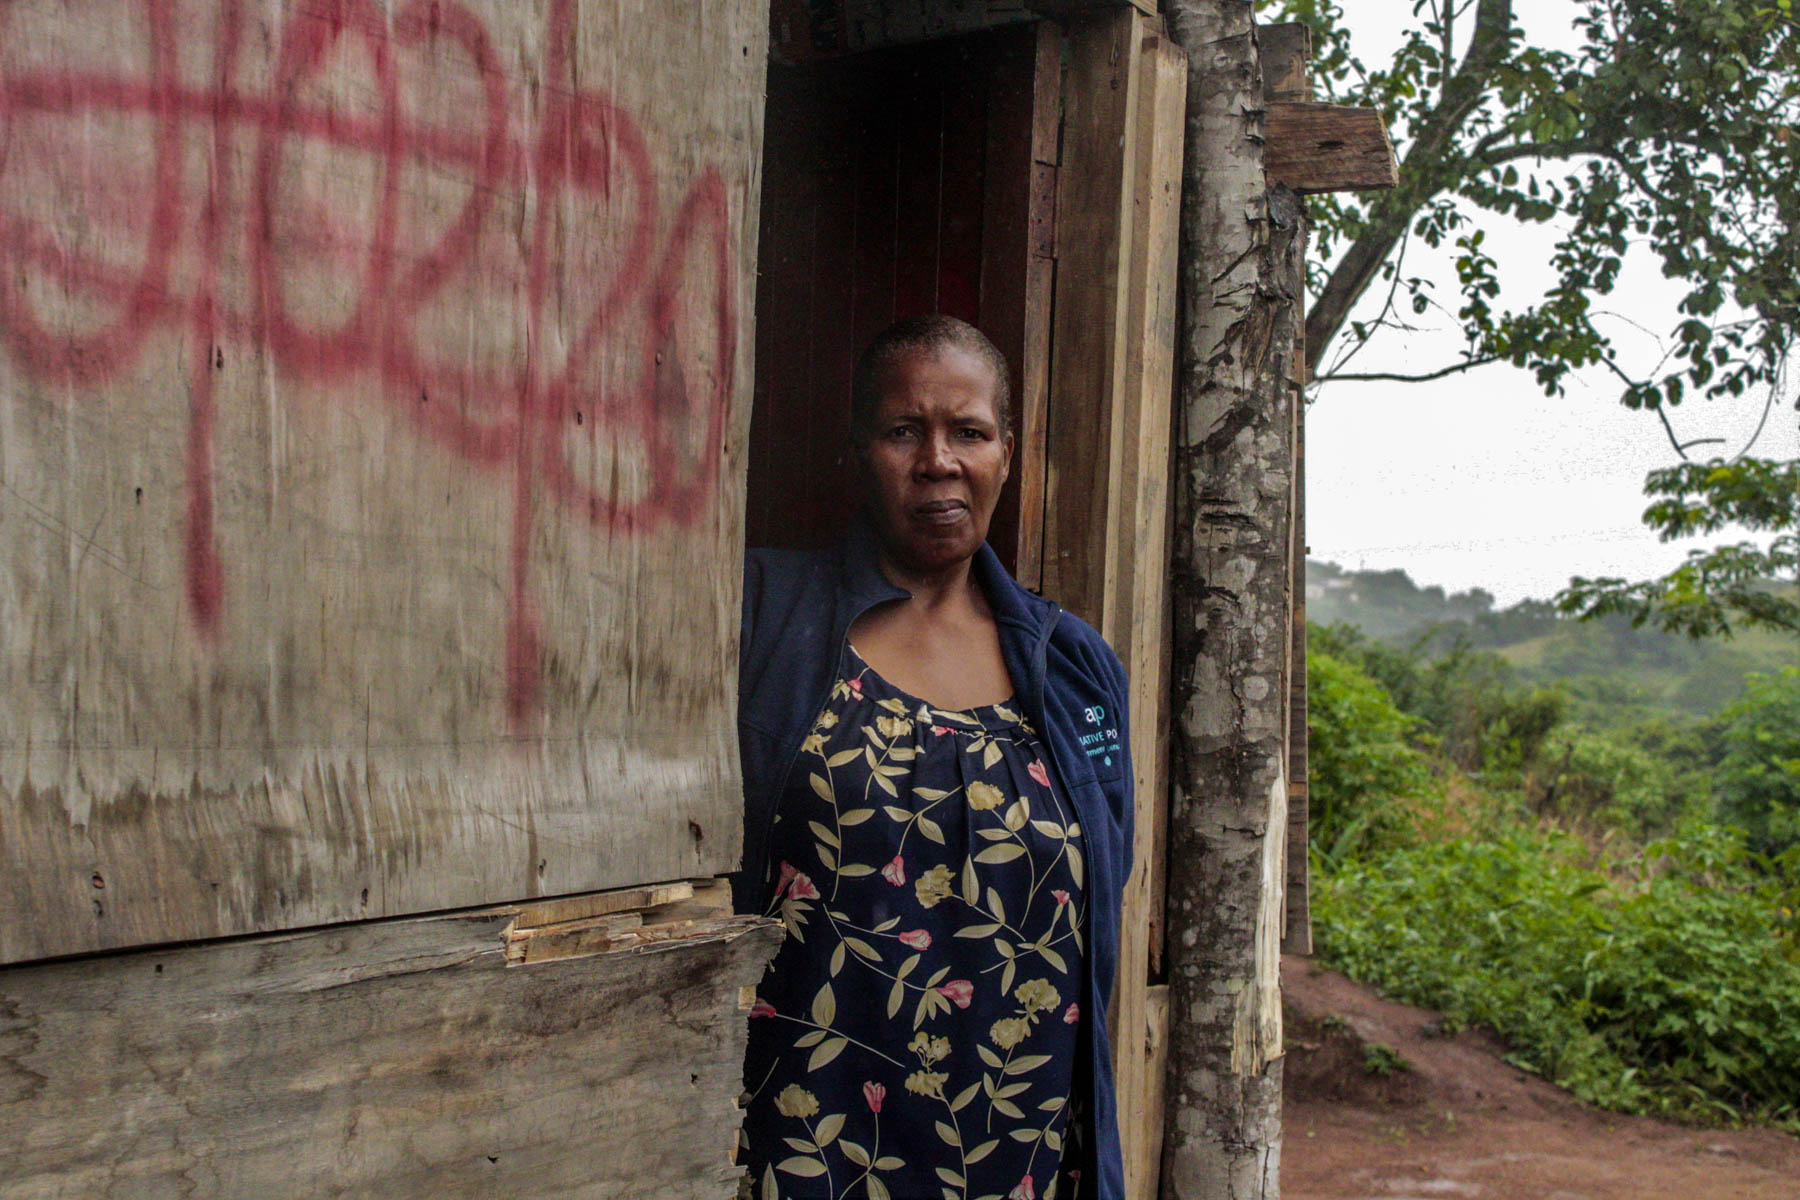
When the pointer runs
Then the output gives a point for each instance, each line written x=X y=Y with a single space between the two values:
x=1038 y=771
x=895 y=871
x=787 y=876
x=940 y=730
x=1072 y=1014
x=855 y=686
x=874 y=1094
x=802 y=889
x=762 y=1008
x=918 y=939
x=1025 y=1191
x=959 y=991
x=1062 y=897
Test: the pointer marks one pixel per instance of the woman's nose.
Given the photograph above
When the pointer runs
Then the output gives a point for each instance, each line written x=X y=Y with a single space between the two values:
x=937 y=457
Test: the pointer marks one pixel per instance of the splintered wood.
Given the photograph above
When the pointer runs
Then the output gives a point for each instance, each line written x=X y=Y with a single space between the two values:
x=372 y=388
x=395 y=1058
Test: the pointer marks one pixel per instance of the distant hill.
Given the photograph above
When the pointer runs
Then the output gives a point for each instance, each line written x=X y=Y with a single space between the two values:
x=1611 y=668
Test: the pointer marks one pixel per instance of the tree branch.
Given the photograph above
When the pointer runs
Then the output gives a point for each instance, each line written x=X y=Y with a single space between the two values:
x=1393 y=211
x=1453 y=369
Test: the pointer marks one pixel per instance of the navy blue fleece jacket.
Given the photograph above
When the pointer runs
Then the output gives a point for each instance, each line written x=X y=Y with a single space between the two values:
x=798 y=609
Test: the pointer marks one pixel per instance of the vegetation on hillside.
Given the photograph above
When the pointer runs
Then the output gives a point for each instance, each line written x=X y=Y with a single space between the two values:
x=1616 y=898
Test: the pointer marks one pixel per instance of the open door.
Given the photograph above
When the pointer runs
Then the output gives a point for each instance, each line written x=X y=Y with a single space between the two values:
x=1027 y=180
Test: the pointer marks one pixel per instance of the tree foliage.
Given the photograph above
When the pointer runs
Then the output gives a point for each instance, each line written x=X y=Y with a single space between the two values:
x=1717 y=587
x=1675 y=125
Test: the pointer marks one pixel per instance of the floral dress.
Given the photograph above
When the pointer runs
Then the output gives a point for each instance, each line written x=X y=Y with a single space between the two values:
x=919 y=1035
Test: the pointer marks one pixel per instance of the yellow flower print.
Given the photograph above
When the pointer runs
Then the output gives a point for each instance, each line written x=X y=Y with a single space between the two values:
x=826 y=720
x=932 y=886
x=1009 y=1032
x=814 y=744
x=893 y=727
x=796 y=1101
x=984 y=796
x=927 y=1083
x=929 y=1049
x=1038 y=995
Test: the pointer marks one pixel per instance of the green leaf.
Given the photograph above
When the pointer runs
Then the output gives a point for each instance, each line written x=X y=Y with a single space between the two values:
x=826 y=1051
x=1003 y=853
x=806 y=1168
x=828 y=1128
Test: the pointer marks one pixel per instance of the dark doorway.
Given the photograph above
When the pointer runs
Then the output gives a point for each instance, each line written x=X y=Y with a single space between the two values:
x=910 y=180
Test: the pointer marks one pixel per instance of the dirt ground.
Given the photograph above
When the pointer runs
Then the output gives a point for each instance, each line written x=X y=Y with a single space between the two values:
x=1455 y=1122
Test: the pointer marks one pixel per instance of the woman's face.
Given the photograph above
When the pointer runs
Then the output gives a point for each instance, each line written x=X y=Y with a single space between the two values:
x=936 y=458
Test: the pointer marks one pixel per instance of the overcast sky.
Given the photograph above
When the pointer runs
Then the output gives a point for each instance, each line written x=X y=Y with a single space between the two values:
x=1479 y=480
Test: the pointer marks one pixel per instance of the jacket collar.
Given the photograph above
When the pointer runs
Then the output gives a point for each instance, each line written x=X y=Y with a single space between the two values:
x=863 y=585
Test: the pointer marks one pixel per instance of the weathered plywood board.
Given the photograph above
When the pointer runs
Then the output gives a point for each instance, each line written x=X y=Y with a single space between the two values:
x=394 y=1058
x=372 y=387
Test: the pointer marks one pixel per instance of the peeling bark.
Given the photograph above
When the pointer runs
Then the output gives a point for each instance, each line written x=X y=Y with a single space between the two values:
x=1240 y=294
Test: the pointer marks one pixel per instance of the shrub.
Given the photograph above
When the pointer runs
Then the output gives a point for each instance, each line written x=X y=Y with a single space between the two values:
x=1674 y=991
x=1358 y=761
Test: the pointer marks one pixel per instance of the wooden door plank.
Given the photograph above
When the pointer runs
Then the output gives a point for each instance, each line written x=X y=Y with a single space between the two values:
x=1137 y=564
x=1088 y=321
x=399 y=1058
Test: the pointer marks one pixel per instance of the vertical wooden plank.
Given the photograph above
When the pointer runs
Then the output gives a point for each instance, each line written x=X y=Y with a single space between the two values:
x=1135 y=588
x=1017 y=268
x=1285 y=50
x=1296 y=937
x=1088 y=322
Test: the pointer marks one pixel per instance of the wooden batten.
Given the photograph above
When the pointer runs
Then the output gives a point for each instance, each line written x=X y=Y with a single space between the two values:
x=406 y=1057
x=1314 y=148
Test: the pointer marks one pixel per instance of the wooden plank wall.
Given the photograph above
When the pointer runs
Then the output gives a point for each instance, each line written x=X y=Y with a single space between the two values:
x=373 y=380
x=401 y=1058
x=895 y=183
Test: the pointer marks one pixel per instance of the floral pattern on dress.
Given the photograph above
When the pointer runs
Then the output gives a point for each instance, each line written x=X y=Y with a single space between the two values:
x=918 y=1032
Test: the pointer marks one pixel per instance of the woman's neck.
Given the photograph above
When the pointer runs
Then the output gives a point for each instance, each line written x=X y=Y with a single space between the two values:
x=932 y=590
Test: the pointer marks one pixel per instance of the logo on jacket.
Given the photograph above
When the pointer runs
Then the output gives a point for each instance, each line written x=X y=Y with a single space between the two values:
x=1101 y=741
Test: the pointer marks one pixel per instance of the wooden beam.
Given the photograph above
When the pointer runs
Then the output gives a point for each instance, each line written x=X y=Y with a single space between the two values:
x=1314 y=148
x=402 y=1058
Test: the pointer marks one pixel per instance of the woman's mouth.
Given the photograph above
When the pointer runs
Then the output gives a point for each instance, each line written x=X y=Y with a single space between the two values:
x=941 y=512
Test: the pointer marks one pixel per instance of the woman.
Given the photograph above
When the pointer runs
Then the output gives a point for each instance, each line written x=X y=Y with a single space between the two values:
x=938 y=807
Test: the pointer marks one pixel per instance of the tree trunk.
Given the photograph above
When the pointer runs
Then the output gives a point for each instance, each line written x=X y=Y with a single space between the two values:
x=1240 y=295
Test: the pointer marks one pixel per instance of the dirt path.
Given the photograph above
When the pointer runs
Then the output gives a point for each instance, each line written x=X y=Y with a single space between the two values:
x=1457 y=1123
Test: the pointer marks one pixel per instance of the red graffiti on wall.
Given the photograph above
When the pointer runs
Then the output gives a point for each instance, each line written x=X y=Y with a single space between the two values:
x=514 y=420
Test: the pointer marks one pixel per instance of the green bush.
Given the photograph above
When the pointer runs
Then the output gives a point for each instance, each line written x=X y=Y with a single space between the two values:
x=1675 y=991
x=1759 y=775
x=1358 y=761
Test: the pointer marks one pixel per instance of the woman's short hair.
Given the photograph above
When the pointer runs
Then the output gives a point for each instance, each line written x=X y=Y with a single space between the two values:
x=922 y=335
